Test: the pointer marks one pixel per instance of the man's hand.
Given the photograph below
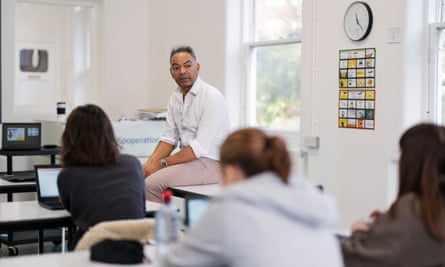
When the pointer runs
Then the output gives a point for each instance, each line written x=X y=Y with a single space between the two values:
x=151 y=167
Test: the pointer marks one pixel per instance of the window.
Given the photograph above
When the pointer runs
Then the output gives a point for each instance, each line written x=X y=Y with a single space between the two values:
x=273 y=44
x=436 y=99
x=440 y=91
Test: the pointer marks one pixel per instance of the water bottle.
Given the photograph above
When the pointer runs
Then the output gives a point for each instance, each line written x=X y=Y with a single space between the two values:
x=166 y=225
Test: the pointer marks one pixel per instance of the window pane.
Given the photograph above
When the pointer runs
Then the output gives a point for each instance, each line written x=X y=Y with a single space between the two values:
x=278 y=89
x=441 y=90
x=277 y=19
x=441 y=80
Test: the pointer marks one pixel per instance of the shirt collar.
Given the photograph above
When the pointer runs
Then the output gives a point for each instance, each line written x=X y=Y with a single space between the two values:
x=195 y=88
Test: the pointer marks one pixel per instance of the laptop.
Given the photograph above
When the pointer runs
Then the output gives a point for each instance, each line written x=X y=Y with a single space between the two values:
x=194 y=208
x=20 y=176
x=47 y=190
x=21 y=135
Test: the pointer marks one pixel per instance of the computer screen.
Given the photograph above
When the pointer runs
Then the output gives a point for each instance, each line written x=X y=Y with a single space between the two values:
x=47 y=181
x=21 y=136
x=194 y=208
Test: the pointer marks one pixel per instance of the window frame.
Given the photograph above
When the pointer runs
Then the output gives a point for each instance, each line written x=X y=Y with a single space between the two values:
x=434 y=98
x=249 y=47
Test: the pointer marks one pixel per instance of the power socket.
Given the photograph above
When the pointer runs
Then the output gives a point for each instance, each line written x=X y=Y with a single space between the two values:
x=312 y=141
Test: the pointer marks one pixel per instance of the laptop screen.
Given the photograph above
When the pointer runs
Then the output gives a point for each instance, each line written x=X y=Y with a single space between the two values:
x=194 y=208
x=47 y=181
x=21 y=135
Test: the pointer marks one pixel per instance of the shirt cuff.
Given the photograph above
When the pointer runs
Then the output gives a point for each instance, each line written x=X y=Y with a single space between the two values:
x=197 y=148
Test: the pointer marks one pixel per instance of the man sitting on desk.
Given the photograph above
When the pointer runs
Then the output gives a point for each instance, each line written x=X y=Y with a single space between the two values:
x=197 y=122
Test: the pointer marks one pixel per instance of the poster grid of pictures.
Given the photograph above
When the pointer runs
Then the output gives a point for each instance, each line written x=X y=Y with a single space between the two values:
x=357 y=88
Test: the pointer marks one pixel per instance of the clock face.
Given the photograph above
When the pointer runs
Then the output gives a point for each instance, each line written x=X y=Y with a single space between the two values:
x=358 y=21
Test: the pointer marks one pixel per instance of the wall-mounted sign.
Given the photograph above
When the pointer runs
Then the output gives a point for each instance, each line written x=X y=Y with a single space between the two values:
x=356 y=106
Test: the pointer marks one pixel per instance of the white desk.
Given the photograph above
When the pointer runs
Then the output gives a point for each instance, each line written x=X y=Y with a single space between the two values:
x=29 y=215
x=70 y=259
x=11 y=213
x=10 y=188
x=16 y=214
x=196 y=191
x=151 y=208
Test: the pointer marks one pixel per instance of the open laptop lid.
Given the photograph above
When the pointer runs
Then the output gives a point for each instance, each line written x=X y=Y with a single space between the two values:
x=21 y=135
x=46 y=182
x=194 y=208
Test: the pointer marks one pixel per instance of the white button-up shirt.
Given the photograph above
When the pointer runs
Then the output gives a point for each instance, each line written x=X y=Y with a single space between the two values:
x=200 y=120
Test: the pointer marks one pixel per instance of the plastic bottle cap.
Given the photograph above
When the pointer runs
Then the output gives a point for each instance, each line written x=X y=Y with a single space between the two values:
x=167 y=196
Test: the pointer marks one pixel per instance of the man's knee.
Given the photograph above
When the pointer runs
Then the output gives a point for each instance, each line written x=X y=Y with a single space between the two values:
x=153 y=189
x=151 y=193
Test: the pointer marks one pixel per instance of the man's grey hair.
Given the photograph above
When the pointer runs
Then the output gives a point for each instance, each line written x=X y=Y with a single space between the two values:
x=183 y=48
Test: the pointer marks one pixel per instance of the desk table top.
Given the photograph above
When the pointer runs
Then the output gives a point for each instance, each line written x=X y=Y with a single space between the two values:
x=28 y=210
x=33 y=152
x=5 y=184
x=17 y=211
x=69 y=259
x=193 y=191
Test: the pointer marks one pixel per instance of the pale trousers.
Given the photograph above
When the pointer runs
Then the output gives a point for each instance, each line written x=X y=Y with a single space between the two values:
x=196 y=172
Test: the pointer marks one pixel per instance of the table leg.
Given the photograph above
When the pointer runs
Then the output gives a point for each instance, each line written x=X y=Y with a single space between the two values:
x=63 y=239
x=9 y=165
x=40 y=241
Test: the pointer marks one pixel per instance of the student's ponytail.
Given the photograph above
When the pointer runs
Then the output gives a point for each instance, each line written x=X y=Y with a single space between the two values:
x=277 y=156
x=254 y=152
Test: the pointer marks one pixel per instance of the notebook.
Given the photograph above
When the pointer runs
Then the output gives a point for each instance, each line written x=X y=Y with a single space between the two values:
x=21 y=135
x=47 y=190
x=194 y=208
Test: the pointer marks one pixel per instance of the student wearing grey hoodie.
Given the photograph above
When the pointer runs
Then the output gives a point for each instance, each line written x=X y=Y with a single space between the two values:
x=263 y=217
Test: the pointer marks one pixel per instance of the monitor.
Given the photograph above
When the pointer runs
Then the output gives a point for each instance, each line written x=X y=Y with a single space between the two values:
x=21 y=135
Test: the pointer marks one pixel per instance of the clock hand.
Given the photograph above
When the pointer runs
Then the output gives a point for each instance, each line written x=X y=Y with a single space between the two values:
x=358 y=22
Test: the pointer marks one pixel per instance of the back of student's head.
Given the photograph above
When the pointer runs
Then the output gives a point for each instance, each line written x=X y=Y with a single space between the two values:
x=422 y=171
x=255 y=152
x=422 y=159
x=88 y=138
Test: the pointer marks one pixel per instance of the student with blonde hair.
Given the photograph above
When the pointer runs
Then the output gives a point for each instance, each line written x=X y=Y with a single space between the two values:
x=262 y=217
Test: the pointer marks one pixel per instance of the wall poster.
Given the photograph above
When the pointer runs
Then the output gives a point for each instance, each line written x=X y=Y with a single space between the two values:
x=356 y=106
x=35 y=75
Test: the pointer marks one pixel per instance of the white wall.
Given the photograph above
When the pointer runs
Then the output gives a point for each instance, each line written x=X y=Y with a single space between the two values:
x=138 y=37
x=198 y=23
x=58 y=27
x=359 y=166
x=125 y=56
x=61 y=30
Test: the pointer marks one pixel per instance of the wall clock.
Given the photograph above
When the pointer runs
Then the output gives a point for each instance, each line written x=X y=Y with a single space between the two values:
x=358 y=21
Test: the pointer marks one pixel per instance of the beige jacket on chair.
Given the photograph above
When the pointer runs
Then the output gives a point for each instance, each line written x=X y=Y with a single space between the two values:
x=135 y=229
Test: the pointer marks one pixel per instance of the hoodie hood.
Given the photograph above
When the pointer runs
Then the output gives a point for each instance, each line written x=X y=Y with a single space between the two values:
x=299 y=200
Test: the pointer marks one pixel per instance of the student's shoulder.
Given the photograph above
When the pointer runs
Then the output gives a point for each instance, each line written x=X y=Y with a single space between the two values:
x=407 y=205
x=68 y=172
x=130 y=163
x=130 y=159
